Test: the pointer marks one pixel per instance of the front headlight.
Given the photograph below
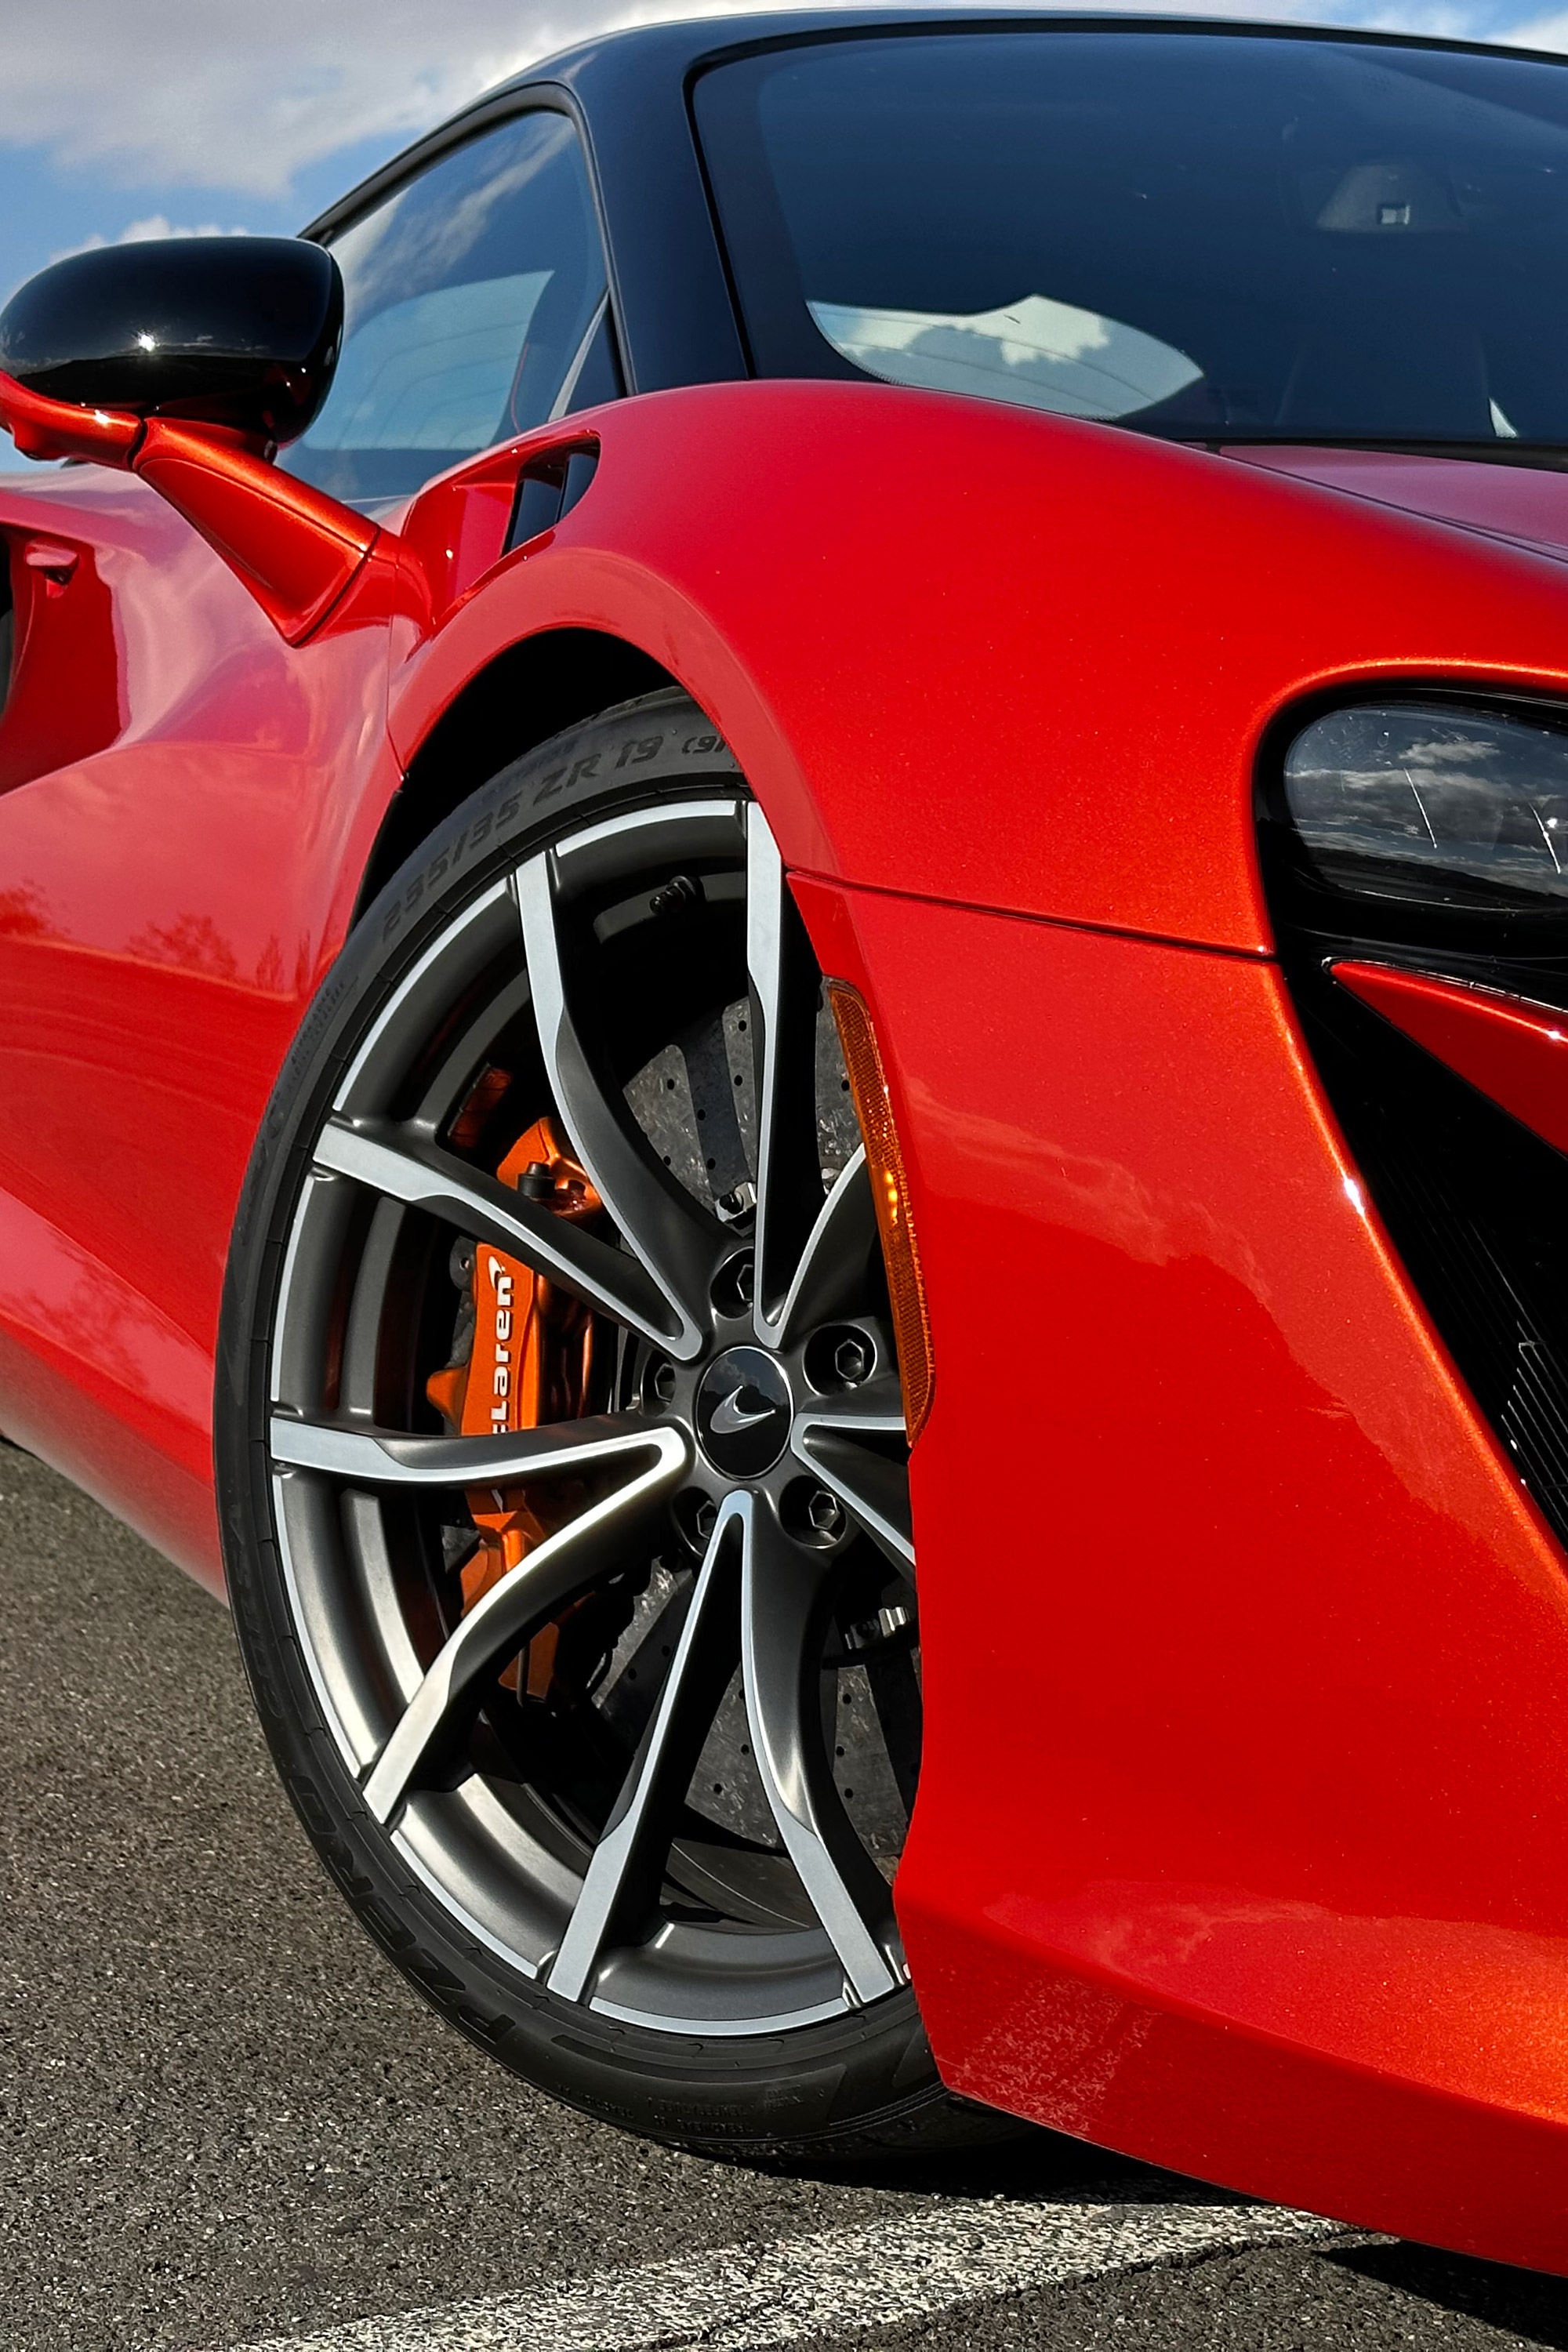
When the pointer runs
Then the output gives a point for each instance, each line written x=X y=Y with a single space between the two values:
x=1453 y=807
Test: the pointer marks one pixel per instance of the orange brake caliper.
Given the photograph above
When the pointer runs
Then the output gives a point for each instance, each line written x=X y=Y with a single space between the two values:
x=529 y=1364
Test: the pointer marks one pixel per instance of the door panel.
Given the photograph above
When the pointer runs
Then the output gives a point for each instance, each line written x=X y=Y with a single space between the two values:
x=168 y=905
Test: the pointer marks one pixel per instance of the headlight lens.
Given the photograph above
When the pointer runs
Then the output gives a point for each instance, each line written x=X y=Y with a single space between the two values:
x=1454 y=807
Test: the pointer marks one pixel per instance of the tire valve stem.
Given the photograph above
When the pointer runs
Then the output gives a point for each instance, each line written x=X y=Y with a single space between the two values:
x=676 y=894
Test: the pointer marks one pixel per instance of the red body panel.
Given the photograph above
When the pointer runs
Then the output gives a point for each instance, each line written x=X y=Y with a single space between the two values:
x=1234 y=1610
x=1254 y=1648
x=1518 y=503
x=972 y=653
x=167 y=907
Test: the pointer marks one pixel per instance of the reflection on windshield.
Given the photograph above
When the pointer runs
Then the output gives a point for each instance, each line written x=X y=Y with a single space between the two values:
x=1220 y=236
x=1037 y=352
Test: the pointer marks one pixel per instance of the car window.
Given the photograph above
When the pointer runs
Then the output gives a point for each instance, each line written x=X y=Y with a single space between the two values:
x=1242 y=234
x=474 y=308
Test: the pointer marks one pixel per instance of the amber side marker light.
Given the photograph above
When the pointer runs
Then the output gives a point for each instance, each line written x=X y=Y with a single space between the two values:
x=891 y=1192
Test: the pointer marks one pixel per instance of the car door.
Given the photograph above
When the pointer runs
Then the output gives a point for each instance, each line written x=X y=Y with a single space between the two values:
x=186 y=805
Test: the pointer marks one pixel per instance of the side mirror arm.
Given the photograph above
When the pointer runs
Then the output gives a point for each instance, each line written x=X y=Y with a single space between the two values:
x=297 y=552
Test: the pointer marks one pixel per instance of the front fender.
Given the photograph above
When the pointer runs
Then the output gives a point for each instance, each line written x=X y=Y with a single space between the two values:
x=1244 y=1790
x=970 y=653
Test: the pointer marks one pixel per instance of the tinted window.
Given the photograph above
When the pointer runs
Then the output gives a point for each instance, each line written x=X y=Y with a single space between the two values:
x=1198 y=234
x=473 y=298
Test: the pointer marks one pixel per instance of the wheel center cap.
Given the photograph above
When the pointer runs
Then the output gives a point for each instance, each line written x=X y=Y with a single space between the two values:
x=743 y=1408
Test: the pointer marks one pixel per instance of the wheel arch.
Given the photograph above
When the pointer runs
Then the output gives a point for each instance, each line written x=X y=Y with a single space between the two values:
x=523 y=694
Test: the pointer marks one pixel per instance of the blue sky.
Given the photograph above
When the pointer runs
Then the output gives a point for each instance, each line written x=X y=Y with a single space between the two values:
x=144 y=116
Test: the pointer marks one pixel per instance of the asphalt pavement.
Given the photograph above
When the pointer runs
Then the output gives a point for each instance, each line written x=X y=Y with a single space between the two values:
x=224 y=2121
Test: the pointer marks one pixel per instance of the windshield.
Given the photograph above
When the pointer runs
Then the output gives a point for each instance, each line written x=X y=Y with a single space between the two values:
x=1206 y=235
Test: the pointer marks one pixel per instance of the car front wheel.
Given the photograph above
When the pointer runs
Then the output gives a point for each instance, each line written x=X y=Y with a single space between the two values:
x=563 y=1465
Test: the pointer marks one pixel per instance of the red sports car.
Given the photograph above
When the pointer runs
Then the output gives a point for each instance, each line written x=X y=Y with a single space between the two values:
x=798 y=829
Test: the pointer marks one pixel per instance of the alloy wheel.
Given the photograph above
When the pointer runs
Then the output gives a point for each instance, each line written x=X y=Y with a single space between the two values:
x=588 y=1440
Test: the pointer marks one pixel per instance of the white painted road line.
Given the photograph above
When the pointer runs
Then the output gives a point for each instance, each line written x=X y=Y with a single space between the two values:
x=751 y=2298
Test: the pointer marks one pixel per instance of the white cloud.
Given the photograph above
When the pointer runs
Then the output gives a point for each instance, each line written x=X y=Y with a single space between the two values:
x=1540 y=33
x=138 y=232
x=211 y=93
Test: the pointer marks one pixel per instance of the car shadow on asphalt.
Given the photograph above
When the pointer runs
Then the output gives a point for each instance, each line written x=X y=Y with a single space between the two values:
x=1043 y=2166
x=1525 y=2303
x=1032 y=2164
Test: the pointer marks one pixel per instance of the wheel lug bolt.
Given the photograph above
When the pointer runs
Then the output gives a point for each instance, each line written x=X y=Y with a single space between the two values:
x=705 y=1519
x=852 y=1362
x=663 y=1382
x=734 y=1286
x=825 y=1513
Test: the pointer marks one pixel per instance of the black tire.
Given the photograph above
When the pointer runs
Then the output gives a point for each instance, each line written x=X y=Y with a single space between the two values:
x=853 y=2083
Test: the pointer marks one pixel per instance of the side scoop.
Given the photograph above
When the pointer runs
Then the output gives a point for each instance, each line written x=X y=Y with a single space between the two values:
x=1509 y=1048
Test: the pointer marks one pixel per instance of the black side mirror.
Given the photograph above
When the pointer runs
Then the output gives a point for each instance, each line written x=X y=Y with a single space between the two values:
x=242 y=332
